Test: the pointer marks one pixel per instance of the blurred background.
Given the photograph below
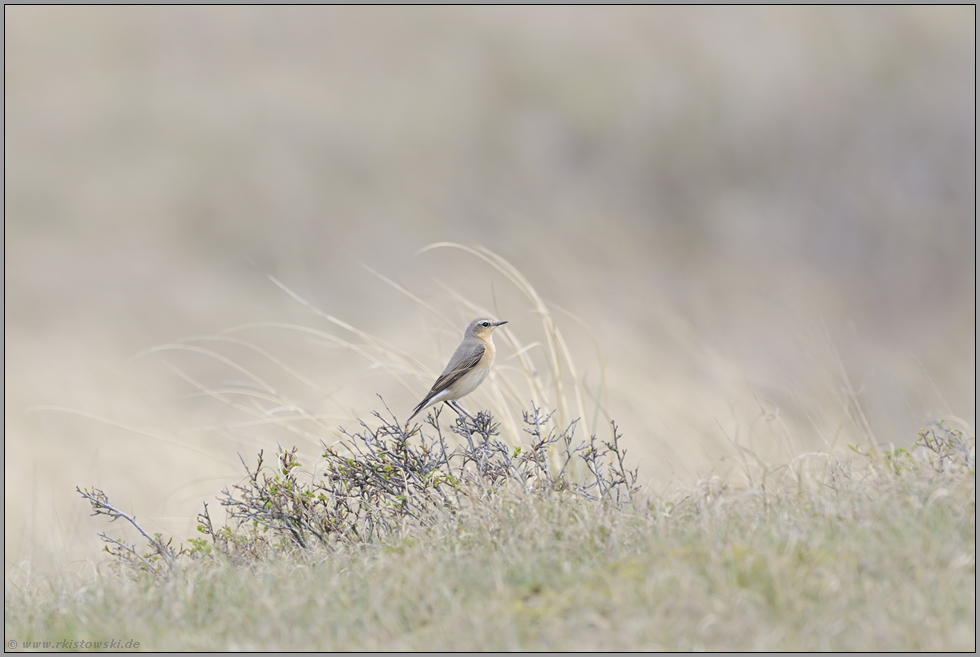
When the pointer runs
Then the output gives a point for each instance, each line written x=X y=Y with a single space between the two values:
x=755 y=227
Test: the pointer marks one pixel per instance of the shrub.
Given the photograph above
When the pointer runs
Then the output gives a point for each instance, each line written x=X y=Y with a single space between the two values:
x=367 y=489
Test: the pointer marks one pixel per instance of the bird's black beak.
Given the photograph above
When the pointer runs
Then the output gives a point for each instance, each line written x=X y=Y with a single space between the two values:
x=499 y=323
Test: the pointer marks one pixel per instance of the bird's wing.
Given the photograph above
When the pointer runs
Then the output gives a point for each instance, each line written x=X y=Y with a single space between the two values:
x=459 y=365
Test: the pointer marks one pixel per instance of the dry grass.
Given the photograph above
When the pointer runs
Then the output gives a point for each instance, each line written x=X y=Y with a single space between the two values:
x=270 y=401
x=821 y=552
x=873 y=554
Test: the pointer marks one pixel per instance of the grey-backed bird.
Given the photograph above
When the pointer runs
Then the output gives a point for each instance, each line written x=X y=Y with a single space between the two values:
x=467 y=368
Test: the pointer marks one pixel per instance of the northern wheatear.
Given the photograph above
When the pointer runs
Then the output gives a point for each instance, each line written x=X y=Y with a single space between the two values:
x=467 y=368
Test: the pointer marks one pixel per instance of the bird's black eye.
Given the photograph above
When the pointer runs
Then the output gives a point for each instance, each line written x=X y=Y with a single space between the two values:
x=486 y=324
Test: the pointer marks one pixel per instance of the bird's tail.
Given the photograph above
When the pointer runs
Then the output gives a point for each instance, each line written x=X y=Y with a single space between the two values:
x=417 y=409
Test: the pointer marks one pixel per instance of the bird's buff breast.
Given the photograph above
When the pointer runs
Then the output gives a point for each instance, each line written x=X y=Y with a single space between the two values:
x=471 y=381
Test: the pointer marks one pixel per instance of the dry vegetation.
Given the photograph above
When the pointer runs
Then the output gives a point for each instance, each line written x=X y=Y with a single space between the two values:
x=451 y=536
x=754 y=229
x=875 y=553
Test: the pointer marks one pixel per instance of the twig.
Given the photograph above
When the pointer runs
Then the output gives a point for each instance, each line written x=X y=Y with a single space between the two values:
x=102 y=506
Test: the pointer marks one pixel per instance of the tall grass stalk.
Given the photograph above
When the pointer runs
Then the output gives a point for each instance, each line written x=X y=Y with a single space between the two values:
x=549 y=382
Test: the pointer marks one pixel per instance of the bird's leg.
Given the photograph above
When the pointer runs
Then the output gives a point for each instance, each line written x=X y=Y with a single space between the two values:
x=459 y=409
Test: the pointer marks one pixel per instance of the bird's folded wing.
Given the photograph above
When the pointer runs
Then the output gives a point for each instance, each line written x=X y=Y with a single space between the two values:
x=456 y=369
x=461 y=363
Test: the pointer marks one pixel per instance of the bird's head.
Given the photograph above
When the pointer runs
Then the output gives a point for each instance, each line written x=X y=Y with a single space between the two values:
x=482 y=327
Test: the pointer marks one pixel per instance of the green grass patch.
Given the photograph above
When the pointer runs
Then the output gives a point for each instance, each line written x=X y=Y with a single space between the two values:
x=874 y=553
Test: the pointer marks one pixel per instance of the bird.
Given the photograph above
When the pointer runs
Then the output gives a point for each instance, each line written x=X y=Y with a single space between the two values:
x=467 y=368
